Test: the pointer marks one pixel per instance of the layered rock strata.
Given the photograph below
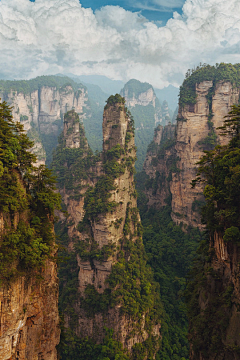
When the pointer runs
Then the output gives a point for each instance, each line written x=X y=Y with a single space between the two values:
x=142 y=94
x=41 y=110
x=196 y=131
x=29 y=320
x=102 y=218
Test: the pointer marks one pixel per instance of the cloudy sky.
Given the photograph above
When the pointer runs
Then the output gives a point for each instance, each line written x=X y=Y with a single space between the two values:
x=150 y=40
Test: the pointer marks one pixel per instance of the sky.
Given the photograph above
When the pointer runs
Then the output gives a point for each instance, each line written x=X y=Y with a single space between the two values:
x=155 y=41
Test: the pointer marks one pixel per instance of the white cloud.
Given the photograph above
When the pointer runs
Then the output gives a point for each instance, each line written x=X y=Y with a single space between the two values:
x=51 y=36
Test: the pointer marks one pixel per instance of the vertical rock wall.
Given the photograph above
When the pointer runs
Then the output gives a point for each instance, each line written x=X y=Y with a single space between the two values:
x=192 y=129
x=41 y=111
x=29 y=320
x=196 y=131
x=99 y=223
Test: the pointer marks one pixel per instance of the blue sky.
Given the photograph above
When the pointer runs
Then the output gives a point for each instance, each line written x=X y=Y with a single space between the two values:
x=158 y=11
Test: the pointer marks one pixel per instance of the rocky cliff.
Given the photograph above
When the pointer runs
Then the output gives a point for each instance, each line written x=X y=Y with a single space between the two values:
x=103 y=236
x=159 y=164
x=205 y=98
x=29 y=320
x=40 y=104
x=213 y=294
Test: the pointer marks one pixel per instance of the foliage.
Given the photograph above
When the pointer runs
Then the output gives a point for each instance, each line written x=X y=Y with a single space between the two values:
x=72 y=165
x=135 y=88
x=130 y=284
x=219 y=171
x=115 y=99
x=144 y=123
x=27 y=193
x=116 y=160
x=86 y=349
x=170 y=253
x=28 y=86
x=226 y=72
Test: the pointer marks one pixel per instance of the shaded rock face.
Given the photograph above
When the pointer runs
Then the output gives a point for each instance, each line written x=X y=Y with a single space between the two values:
x=196 y=131
x=41 y=111
x=104 y=229
x=29 y=320
x=218 y=302
x=160 y=157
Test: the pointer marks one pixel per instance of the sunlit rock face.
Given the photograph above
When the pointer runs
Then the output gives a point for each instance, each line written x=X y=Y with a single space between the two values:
x=174 y=163
x=41 y=111
x=29 y=320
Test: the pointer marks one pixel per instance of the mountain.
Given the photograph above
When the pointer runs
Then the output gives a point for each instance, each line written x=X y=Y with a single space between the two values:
x=203 y=106
x=106 y=283
x=147 y=112
x=107 y=85
x=39 y=104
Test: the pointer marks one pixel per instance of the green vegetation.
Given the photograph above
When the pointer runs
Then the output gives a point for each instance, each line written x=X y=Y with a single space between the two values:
x=28 y=86
x=28 y=194
x=170 y=253
x=135 y=88
x=86 y=349
x=115 y=99
x=130 y=283
x=226 y=72
x=144 y=123
x=72 y=165
x=219 y=171
x=93 y=124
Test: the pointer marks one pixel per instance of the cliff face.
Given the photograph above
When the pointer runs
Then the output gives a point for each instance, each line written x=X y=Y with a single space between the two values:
x=142 y=94
x=101 y=222
x=29 y=320
x=196 y=131
x=214 y=321
x=213 y=293
x=40 y=109
x=158 y=165
x=193 y=136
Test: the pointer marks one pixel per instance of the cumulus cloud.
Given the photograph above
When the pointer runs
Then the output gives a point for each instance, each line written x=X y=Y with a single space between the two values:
x=52 y=36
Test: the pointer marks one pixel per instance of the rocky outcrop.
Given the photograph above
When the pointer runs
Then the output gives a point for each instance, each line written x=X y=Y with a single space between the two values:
x=41 y=105
x=102 y=217
x=196 y=131
x=143 y=94
x=192 y=137
x=29 y=320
